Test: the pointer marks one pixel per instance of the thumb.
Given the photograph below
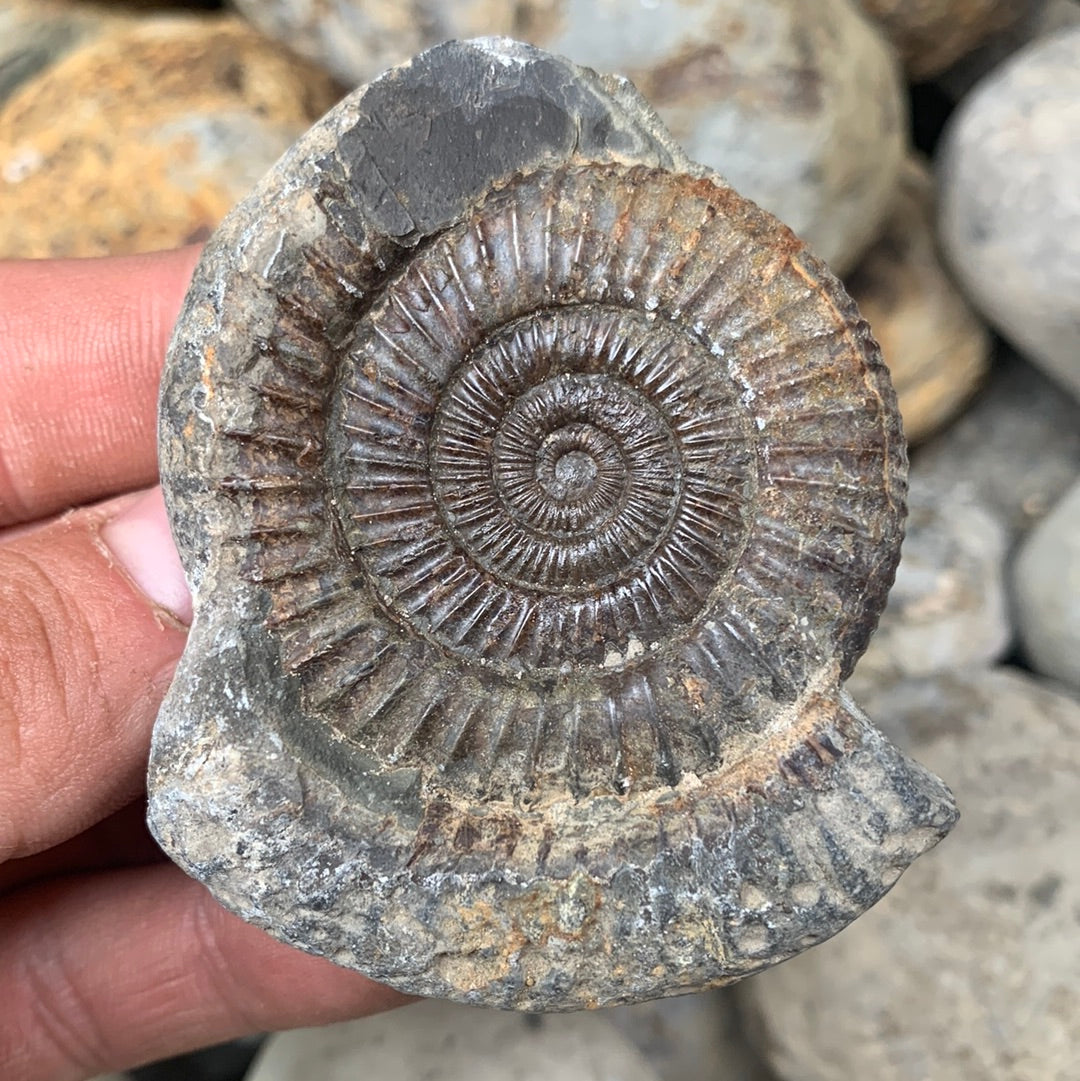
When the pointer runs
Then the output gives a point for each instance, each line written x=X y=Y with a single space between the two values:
x=93 y=616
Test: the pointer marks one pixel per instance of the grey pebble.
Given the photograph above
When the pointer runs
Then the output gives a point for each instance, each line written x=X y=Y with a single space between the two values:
x=948 y=607
x=799 y=105
x=1015 y=451
x=1046 y=588
x=967 y=969
x=36 y=33
x=436 y=1041
x=1010 y=202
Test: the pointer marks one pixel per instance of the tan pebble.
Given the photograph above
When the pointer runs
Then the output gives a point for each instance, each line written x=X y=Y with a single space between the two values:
x=37 y=33
x=937 y=349
x=932 y=34
x=146 y=137
x=439 y=1041
x=1009 y=211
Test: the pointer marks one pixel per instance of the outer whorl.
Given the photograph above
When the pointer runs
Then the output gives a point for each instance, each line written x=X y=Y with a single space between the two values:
x=537 y=493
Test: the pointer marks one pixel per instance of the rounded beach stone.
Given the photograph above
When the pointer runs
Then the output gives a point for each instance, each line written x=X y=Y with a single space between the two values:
x=948 y=607
x=1046 y=588
x=968 y=968
x=353 y=39
x=1010 y=202
x=1040 y=19
x=35 y=33
x=438 y=1041
x=932 y=34
x=146 y=137
x=936 y=347
x=799 y=105
x=1015 y=450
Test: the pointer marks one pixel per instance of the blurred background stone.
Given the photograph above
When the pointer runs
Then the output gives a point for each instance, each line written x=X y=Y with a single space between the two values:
x=1010 y=202
x=798 y=103
x=967 y=969
x=1039 y=19
x=948 y=608
x=932 y=34
x=144 y=138
x=355 y=39
x=691 y=1038
x=1015 y=451
x=36 y=33
x=439 y=1041
x=937 y=349
x=1046 y=588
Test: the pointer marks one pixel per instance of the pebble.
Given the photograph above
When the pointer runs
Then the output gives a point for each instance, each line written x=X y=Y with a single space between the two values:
x=1010 y=202
x=936 y=347
x=439 y=1041
x=967 y=969
x=691 y=1038
x=36 y=33
x=148 y=136
x=932 y=34
x=1015 y=451
x=1046 y=589
x=948 y=607
x=1040 y=19
x=798 y=103
x=353 y=39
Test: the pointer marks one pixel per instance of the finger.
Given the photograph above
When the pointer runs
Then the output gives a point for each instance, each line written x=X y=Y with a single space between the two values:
x=82 y=342
x=124 y=967
x=91 y=625
x=121 y=840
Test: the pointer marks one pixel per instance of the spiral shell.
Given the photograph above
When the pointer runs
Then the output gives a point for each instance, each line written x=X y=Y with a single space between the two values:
x=537 y=493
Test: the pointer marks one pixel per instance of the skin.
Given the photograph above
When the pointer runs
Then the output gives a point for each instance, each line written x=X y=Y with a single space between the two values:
x=109 y=955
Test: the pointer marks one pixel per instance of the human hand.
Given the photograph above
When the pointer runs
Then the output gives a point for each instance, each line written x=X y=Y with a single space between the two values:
x=109 y=955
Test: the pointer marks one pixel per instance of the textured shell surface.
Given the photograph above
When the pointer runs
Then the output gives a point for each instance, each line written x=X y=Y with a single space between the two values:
x=537 y=492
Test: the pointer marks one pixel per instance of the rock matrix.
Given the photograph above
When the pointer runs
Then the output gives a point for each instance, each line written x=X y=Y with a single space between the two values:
x=438 y=1041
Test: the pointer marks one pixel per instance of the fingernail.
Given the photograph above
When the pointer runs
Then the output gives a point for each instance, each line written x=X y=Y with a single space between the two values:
x=138 y=538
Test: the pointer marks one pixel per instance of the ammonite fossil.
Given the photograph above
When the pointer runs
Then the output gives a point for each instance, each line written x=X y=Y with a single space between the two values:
x=537 y=492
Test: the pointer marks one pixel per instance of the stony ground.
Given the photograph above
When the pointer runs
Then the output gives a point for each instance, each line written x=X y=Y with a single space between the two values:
x=930 y=154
